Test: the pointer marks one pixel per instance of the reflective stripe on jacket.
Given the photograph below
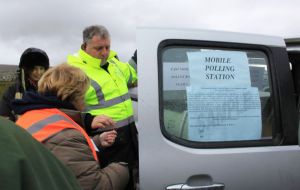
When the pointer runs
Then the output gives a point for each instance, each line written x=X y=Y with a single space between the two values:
x=45 y=123
x=108 y=92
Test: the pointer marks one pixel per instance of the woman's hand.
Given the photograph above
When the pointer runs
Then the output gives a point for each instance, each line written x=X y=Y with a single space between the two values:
x=102 y=121
x=107 y=138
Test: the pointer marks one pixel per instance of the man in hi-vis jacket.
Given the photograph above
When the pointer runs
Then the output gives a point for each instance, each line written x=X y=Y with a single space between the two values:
x=108 y=92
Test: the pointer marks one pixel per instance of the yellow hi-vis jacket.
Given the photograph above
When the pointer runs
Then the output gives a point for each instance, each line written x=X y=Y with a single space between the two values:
x=108 y=92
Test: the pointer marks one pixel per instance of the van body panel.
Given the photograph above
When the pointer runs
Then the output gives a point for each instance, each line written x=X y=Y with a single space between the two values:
x=164 y=161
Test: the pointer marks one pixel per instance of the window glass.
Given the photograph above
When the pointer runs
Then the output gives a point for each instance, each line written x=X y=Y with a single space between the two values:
x=216 y=95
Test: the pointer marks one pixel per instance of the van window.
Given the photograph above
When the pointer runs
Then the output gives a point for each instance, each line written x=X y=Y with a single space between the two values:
x=215 y=95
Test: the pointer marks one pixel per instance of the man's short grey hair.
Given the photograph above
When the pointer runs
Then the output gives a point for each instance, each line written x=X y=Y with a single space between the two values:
x=95 y=30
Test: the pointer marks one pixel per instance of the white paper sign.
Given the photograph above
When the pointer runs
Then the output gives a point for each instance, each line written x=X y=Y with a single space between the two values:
x=176 y=76
x=219 y=68
x=223 y=114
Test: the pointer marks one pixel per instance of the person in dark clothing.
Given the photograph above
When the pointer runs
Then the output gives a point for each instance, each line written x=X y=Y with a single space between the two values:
x=33 y=63
x=133 y=59
x=27 y=164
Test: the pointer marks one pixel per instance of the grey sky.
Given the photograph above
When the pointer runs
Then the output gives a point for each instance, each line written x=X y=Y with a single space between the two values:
x=56 y=25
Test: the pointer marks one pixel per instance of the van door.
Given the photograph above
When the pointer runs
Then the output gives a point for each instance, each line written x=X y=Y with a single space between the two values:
x=216 y=110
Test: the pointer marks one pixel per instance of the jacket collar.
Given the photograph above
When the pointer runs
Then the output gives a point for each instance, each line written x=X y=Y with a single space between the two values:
x=34 y=100
x=92 y=61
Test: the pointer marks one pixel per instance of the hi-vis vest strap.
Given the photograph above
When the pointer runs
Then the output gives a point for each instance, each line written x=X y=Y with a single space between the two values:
x=102 y=103
x=50 y=122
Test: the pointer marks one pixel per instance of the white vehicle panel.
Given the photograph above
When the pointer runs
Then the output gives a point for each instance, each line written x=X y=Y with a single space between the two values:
x=164 y=163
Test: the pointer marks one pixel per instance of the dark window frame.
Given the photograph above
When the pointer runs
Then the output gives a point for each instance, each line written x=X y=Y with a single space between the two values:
x=276 y=131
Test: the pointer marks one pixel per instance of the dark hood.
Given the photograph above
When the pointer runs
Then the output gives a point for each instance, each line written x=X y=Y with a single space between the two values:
x=34 y=100
x=34 y=57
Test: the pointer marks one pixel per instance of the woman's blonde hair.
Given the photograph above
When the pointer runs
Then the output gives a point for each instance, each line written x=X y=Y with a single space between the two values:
x=65 y=81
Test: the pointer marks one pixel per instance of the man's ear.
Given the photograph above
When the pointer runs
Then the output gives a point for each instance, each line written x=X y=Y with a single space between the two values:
x=83 y=46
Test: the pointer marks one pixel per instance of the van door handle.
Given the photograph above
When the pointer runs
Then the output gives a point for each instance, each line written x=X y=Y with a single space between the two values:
x=216 y=186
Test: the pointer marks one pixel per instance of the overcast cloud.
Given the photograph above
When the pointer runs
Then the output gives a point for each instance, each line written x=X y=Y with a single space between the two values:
x=56 y=25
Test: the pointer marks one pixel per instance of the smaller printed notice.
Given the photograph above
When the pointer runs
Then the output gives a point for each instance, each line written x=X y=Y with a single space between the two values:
x=176 y=76
x=223 y=114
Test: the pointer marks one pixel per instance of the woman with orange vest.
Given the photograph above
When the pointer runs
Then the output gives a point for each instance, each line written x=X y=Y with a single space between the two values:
x=63 y=87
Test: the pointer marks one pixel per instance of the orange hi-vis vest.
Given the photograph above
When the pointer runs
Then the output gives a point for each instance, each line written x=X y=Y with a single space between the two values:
x=44 y=123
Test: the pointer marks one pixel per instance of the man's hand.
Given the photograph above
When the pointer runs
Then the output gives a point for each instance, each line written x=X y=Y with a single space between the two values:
x=102 y=121
x=107 y=138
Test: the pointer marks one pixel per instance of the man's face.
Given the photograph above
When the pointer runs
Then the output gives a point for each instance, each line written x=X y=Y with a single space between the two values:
x=98 y=47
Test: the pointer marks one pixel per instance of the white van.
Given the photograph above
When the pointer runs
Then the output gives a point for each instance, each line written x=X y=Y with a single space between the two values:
x=216 y=110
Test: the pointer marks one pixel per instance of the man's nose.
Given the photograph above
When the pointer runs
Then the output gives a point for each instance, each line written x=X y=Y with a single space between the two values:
x=105 y=51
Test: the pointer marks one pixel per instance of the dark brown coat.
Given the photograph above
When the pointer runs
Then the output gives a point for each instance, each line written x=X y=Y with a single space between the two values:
x=72 y=149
